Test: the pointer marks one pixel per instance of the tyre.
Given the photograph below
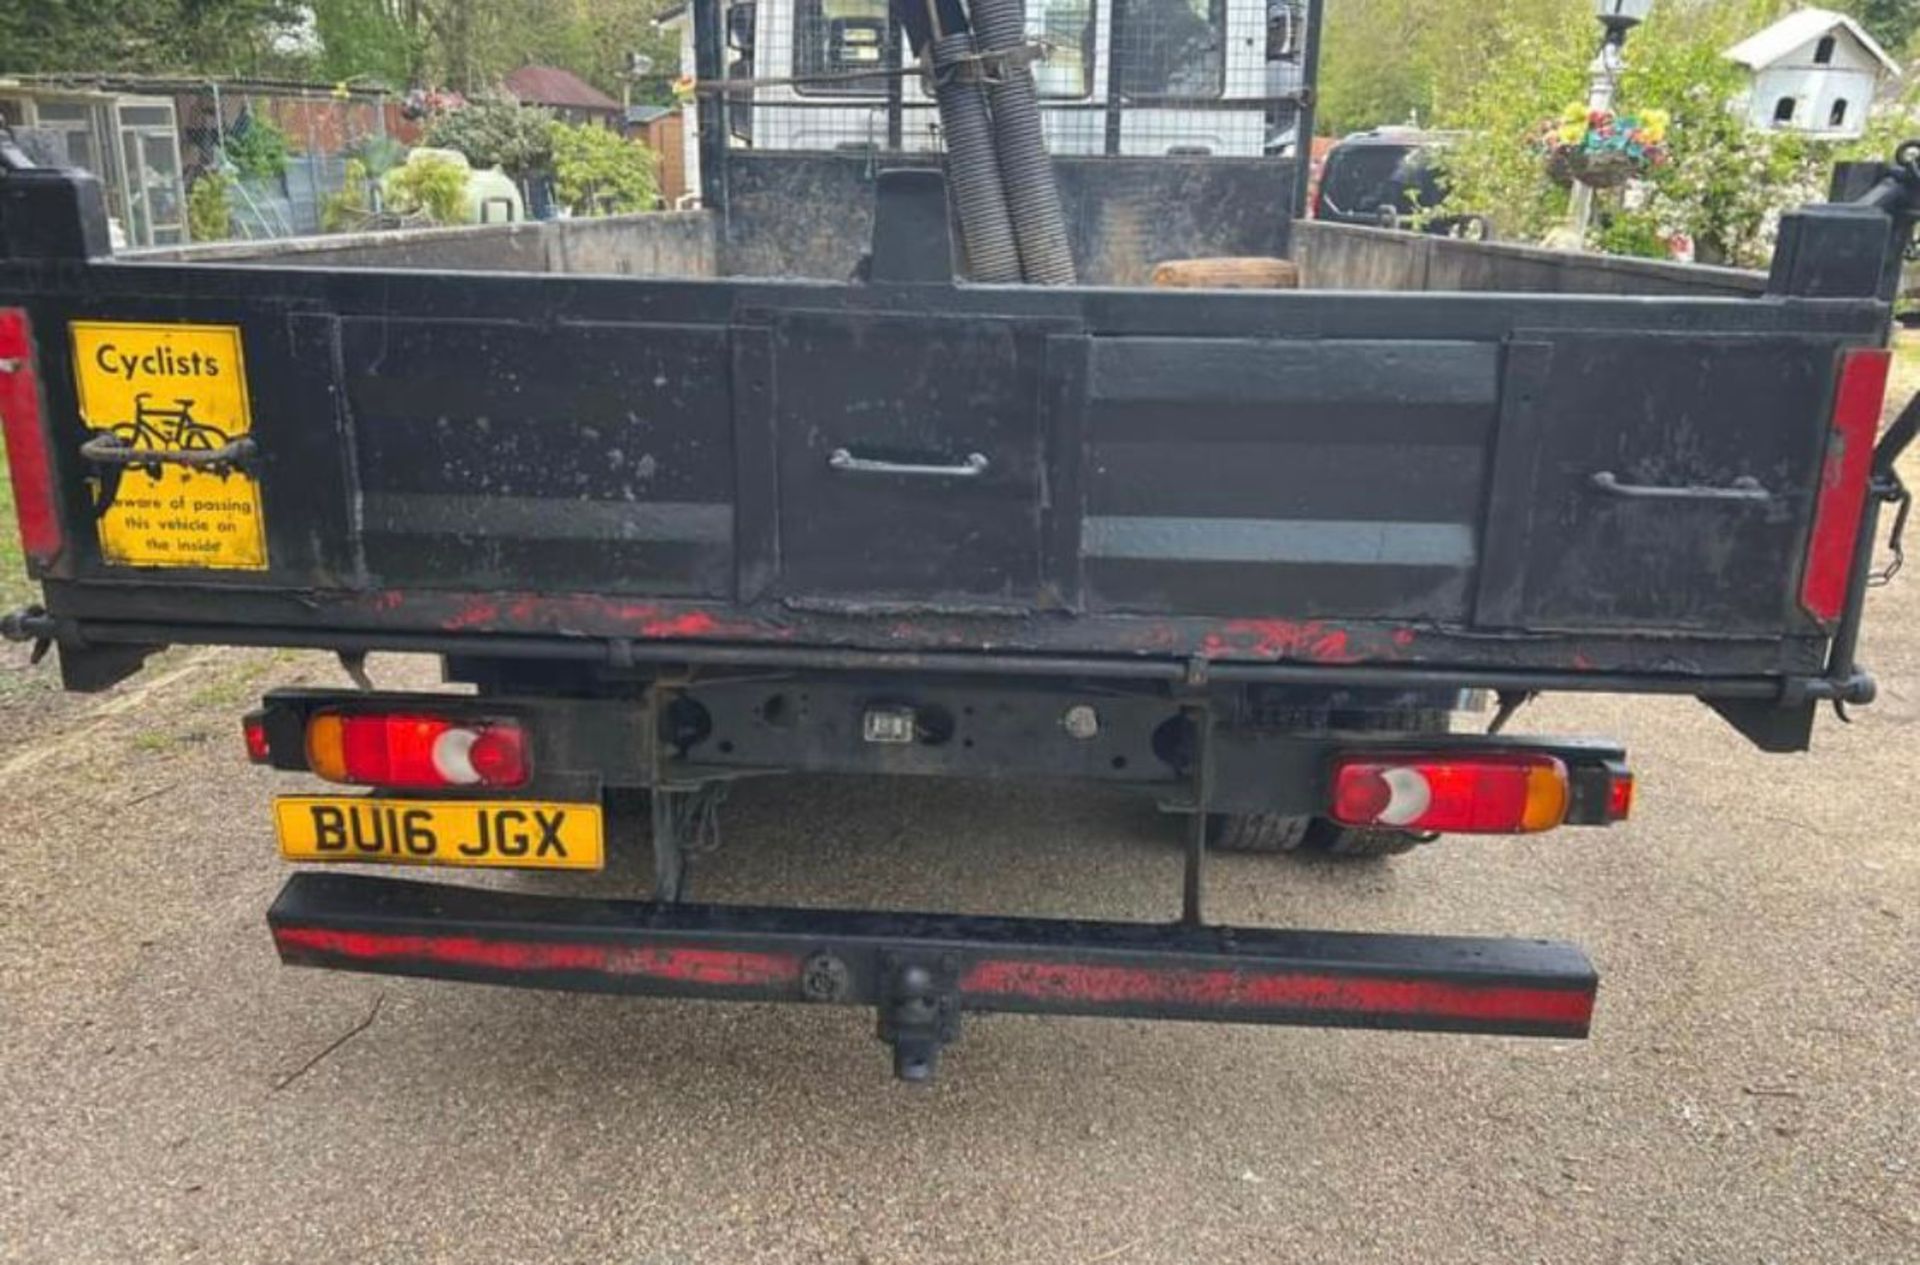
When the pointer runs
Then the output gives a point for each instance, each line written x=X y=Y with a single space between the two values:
x=1344 y=843
x=1257 y=832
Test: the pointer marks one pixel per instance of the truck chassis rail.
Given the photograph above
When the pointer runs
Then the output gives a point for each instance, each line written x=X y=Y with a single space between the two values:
x=921 y=972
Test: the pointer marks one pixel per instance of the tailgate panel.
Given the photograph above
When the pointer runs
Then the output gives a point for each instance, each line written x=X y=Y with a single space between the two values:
x=1695 y=415
x=1376 y=478
x=1297 y=477
x=591 y=457
x=912 y=400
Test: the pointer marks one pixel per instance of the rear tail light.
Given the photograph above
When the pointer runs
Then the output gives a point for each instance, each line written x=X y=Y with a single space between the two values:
x=26 y=441
x=259 y=745
x=1490 y=793
x=417 y=752
x=1619 y=795
x=1842 y=501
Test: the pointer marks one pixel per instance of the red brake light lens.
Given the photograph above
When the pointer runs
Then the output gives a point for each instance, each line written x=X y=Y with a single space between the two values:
x=1619 y=795
x=259 y=749
x=1842 y=501
x=1486 y=793
x=417 y=752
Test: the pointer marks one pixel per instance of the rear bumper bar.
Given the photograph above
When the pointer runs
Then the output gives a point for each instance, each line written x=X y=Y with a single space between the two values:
x=922 y=971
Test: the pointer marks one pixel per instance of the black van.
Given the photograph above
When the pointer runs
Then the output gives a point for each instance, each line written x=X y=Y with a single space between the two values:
x=1387 y=178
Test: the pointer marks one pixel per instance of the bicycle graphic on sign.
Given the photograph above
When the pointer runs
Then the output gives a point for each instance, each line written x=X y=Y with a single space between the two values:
x=159 y=436
x=173 y=429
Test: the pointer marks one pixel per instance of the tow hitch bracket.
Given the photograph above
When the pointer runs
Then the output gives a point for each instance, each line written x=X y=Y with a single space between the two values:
x=921 y=972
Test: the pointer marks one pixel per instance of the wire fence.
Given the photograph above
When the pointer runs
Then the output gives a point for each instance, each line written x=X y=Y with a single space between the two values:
x=1217 y=78
x=285 y=154
x=272 y=155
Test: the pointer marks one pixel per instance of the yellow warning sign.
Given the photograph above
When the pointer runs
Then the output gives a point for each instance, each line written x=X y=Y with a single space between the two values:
x=164 y=389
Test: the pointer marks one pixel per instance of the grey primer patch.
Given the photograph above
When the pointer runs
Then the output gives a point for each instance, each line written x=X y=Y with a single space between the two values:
x=534 y=518
x=1308 y=541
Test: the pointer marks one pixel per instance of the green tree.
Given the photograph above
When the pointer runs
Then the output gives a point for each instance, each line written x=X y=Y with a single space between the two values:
x=597 y=172
x=1399 y=61
x=1892 y=22
x=515 y=138
x=204 y=36
x=364 y=40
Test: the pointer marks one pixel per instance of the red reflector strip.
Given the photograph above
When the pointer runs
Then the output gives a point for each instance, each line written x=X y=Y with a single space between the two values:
x=26 y=440
x=1842 y=500
x=721 y=967
x=1303 y=992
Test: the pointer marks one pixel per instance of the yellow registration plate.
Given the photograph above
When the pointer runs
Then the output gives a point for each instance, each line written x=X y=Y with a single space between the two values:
x=518 y=834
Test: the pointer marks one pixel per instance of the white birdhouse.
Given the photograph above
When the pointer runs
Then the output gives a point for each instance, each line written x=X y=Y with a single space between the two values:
x=1814 y=72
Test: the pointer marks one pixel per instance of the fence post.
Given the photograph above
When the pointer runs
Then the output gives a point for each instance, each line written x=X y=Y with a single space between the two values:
x=709 y=58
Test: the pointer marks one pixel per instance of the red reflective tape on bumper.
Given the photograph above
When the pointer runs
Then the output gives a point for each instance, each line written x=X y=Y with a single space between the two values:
x=26 y=440
x=722 y=967
x=1227 y=990
x=1844 y=476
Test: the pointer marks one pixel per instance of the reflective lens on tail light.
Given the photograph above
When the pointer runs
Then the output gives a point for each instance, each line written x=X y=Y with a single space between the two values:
x=1494 y=793
x=259 y=748
x=28 y=461
x=417 y=752
x=1844 y=476
x=1619 y=795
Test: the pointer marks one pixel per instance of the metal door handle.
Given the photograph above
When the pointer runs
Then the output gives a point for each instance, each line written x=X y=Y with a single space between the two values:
x=1744 y=488
x=973 y=467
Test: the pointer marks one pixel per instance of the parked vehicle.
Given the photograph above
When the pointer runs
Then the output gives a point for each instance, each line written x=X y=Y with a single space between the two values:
x=1392 y=178
x=1192 y=78
x=1248 y=554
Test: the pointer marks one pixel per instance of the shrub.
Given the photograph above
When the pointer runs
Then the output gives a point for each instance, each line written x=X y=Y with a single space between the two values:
x=209 y=209
x=256 y=148
x=429 y=185
x=597 y=172
x=347 y=209
x=377 y=155
x=515 y=138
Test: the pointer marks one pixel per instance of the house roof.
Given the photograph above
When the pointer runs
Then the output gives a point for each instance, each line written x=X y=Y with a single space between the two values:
x=550 y=85
x=1783 y=38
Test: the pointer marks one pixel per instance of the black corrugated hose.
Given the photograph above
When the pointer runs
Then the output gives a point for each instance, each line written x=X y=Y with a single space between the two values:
x=1026 y=170
x=973 y=169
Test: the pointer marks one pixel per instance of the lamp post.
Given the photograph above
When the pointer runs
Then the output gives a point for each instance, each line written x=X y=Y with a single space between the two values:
x=1618 y=17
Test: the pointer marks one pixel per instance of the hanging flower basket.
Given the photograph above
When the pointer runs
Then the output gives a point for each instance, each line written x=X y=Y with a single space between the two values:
x=1602 y=150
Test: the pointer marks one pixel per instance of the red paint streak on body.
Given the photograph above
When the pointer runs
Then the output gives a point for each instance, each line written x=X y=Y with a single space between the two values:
x=723 y=967
x=479 y=613
x=586 y=613
x=691 y=624
x=1278 y=639
x=1298 y=991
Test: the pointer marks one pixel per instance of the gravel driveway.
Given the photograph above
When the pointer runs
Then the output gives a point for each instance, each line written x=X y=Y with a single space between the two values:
x=1751 y=1094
